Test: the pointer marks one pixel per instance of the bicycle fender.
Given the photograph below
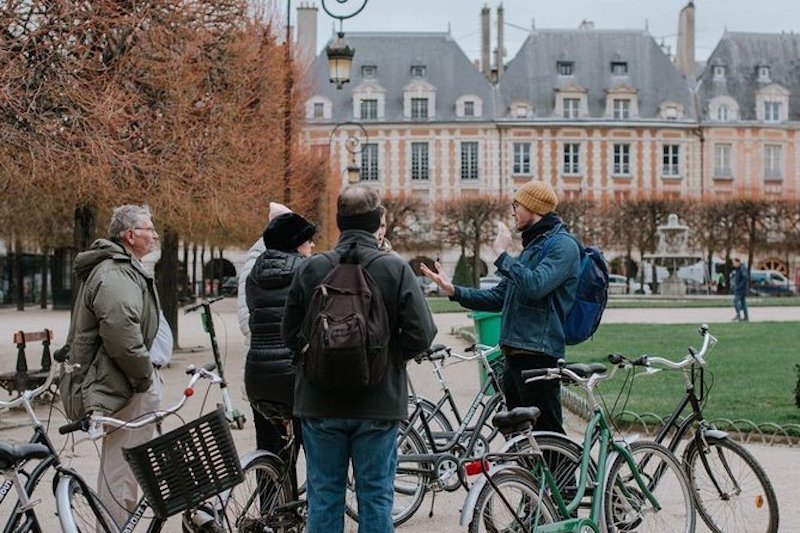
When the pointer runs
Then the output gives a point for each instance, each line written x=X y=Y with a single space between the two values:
x=715 y=434
x=468 y=509
x=507 y=447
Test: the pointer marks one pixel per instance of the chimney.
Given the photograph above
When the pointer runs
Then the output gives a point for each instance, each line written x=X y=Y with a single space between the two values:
x=501 y=51
x=684 y=55
x=306 y=31
x=486 y=63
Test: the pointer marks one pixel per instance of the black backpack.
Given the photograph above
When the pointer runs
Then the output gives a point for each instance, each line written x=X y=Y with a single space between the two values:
x=346 y=328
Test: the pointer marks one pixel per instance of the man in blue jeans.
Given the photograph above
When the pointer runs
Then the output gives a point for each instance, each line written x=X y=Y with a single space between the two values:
x=741 y=284
x=358 y=427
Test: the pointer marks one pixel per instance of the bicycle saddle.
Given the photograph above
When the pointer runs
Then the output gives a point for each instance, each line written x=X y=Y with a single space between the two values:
x=585 y=370
x=516 y=420
x=11 y=456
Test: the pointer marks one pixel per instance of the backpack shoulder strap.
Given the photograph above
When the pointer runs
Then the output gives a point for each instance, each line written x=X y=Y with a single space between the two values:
x=553 y=236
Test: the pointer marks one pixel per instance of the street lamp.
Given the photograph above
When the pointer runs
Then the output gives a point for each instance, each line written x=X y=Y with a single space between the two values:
x=340 y=55
x=357 y=137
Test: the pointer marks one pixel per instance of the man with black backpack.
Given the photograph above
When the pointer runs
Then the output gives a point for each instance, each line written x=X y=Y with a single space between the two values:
x=537 y=292
x=354 y=317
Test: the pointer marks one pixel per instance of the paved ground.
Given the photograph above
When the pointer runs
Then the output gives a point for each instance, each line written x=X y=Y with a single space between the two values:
x=782 y=464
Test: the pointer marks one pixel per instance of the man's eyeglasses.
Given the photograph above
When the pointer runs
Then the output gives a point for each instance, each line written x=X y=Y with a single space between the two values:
x=151 y=230
x=514 y=205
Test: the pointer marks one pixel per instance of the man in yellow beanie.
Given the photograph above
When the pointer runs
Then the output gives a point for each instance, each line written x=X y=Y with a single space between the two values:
x=536 y=294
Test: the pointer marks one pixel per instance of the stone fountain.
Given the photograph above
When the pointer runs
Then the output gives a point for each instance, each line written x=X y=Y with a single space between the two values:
x=672 y=253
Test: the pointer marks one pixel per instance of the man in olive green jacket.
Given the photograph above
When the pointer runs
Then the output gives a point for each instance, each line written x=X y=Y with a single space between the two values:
x=114 y=322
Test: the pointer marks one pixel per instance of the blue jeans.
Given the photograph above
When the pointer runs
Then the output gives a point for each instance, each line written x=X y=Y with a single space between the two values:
x=740 y=304
x=330 y=445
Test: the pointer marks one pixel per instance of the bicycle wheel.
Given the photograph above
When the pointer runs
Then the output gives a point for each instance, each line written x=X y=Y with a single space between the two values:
x=251 y=505
x=524 y=508
x=437 y=420
x=731 y=489
x=563 y=457
x=410 y=482
x=80 y=509
x=627 y=508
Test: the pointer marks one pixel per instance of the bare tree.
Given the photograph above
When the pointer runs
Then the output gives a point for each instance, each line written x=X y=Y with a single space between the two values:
x=406 y=226
x=468 y=222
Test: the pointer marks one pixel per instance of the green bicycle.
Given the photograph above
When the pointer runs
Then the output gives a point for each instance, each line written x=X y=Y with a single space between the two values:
x=638 y=486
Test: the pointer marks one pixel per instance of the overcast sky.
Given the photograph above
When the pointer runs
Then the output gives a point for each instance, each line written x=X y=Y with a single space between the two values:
x=661 y=16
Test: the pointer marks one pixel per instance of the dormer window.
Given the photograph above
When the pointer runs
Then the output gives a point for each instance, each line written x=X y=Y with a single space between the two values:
x=622 y=108
x=368 y=72
x=418 y=71
x=619 y=68
x=469 y=108
x=564 y=68
x=719 y=72
x=772 y=111
x=723 y=113
x=763 y=73
x=319 y=110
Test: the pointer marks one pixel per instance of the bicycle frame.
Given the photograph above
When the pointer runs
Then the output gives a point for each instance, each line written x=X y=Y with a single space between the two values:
x=464 y=426
x=597 y=431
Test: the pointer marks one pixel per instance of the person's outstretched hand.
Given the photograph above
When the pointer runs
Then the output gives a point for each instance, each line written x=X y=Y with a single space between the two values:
x=502 y=243
x=439 y=278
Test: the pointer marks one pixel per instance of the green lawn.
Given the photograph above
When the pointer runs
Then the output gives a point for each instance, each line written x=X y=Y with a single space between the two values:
x=751 y=370
x=444 y=305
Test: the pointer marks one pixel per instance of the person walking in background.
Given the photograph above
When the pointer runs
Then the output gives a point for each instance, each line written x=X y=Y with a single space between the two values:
x=114 y=324
x=268 y=371
x=535 y=296
x=357 y=425
x=741 y=284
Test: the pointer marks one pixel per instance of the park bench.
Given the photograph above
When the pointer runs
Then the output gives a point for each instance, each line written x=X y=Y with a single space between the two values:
x=22 y=378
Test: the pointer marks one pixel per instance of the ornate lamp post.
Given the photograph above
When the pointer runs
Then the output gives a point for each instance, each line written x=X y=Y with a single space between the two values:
x=340 y=55
x=357 y=137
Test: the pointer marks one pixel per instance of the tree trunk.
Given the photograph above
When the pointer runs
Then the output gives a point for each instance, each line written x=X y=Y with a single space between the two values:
x=18 y=276
x=195 y=290
x=221 y=272
x=476 y=259
x=203 y=271
x=45 y=272
x=168 y=280
x=84 y=234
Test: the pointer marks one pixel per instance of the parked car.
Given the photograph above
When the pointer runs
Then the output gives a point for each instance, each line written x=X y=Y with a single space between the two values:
x=490 y=281
x=428 y=287
x=230 y=286
x=770 y=283
x=617 y=284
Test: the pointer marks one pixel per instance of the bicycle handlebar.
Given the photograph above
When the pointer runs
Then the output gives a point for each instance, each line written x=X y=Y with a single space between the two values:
x=201 y=303
x=692 y=357
x=93 y=424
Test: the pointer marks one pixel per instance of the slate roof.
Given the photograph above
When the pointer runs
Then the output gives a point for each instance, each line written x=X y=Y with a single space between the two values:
x=448 y=69
x=532 y=75
x=741 y=53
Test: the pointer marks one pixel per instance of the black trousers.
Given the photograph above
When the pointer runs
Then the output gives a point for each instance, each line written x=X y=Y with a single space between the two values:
x=545 y=394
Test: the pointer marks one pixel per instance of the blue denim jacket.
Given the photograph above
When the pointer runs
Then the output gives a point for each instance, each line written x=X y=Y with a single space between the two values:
x=535 y=296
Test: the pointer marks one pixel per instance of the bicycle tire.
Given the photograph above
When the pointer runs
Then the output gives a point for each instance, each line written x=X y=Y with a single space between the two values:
x=250 y=505
x=627 y=509
x=410 y=485
x=752 y=507
x=437 y=419
x=563 y=457
x=79 y=508
x=521 y=489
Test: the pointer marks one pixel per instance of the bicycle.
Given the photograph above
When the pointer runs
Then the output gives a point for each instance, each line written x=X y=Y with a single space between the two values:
x=15 y=459
x=178 y=471
x=429 y=461
x=638 y=479
x=731 y=490
x=271 y=499
x=235 y=417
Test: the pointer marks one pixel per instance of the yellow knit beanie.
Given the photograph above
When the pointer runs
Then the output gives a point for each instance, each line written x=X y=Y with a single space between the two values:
x=537 y=197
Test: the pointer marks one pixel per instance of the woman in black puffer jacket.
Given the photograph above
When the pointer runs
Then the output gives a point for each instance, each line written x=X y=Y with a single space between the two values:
x=268 y=372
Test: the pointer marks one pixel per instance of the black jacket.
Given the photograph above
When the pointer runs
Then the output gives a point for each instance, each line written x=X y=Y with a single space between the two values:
x=410 y=322
x=268 y=373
